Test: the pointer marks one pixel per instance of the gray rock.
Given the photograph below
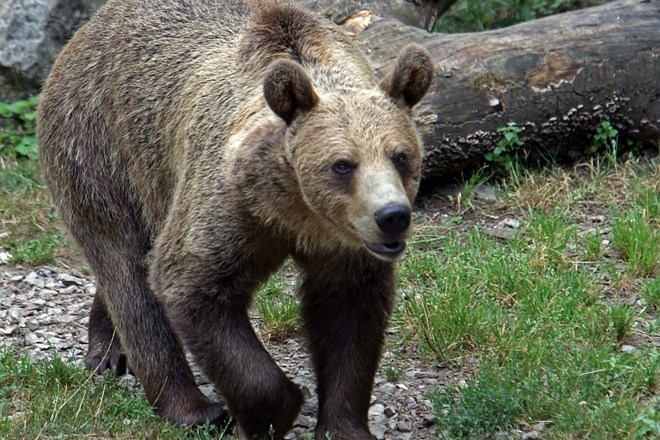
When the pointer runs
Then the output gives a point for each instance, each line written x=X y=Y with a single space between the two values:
x=404 y=427
x=628 y=348
x=128 y=380
x=65 y=319
x=15 y=315
x=486 y=193
x=8 y=331
x=376 y=410
x=34 y=280
x=32 y=339
x=32 y=32
x=379 y=431
x=69 y=280
x=305 y=421
x=209 y=391
x=4 y=256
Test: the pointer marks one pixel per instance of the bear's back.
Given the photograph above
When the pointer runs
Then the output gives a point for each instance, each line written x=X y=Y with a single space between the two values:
x=144 y=79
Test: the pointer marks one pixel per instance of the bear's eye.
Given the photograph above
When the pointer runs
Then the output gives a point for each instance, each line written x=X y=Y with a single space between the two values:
x=343 y=167
x=400 y=160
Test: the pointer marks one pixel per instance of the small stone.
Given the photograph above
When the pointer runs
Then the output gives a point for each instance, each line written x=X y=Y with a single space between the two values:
x=379 y=431
x=15 y=315
x=33 y=279
x=305 y=421
x=628 y=349
x=8 y=331
x=376 y=410
x=404 y=426
x=485 y=193
x=388 y=388
x=65 y=319
x=82 y=337
x=209 y=391
x=428 y=420
x=307 y=393
x=540 y=427
x=54 y=340
x=32 y=338
x=128 y=380
x=389 y=412
x=69 y=280
x=512 y=223
x=69 y=290
x=51 y=283
x=532 y=435
x=5 y=257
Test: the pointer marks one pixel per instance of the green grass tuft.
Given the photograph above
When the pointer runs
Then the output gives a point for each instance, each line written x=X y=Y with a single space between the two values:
x=57 y=399
x=634 y=236
x=277 y=308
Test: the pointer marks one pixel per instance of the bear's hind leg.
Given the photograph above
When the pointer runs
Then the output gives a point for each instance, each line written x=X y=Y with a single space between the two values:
x=117 y=257
x=104 y=351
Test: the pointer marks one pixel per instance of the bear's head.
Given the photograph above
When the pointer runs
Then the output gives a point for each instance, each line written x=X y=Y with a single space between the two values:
x=357 y=155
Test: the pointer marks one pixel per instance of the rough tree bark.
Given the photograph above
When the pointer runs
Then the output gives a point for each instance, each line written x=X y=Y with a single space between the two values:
x=557 y=78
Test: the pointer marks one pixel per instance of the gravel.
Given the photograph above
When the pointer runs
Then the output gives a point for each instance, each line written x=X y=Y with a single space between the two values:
x=44 y=311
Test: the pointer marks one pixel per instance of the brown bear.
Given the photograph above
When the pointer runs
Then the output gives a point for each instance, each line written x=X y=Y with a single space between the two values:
x=190 y=146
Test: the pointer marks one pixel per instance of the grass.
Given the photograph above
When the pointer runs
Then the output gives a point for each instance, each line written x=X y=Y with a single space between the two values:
x=56 y=399
x=547 y=312
x=277 y=308
x=30 y=230
x=634 y=235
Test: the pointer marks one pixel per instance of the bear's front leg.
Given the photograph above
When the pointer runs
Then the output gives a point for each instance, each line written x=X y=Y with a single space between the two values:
x=207 y=304
x=346 y=303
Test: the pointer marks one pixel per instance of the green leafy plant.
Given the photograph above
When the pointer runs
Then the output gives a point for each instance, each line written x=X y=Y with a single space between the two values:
x=17 y=128
x=606 y=140
x=504 y=153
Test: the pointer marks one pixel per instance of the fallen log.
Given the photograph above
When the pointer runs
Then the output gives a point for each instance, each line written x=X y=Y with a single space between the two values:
x=556 y=78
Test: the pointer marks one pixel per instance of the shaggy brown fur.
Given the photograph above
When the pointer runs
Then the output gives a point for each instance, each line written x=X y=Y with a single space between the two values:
x=190 y=146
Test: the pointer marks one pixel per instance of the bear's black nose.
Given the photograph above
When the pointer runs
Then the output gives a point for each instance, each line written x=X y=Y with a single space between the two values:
x=393 y=219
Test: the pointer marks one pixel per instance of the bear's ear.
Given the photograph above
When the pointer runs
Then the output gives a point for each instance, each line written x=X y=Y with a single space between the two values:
x=288 y=89
x=410 y=77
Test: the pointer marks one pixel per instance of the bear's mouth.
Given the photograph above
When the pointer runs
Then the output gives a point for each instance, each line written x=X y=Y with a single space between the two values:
x=388 y=251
